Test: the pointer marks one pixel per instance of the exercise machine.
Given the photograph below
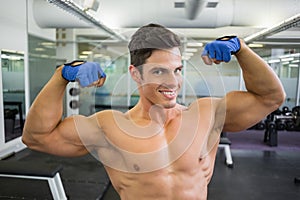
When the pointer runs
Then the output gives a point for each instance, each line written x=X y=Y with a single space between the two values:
x=37 y=171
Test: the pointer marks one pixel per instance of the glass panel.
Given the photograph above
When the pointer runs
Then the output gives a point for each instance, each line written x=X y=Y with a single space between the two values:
x=13 y=93
x=114 y=93
x=215 y=80
x=42 y=62
x=286 y=65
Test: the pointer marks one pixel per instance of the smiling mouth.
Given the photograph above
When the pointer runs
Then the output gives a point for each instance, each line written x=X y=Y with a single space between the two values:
x=170 y=94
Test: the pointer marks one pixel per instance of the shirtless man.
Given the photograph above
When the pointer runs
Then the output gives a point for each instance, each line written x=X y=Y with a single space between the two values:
x=158 y=149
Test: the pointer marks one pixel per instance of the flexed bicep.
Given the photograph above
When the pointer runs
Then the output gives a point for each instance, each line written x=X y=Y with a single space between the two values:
x=243 y=110
x=74 y=136
x=63 y=140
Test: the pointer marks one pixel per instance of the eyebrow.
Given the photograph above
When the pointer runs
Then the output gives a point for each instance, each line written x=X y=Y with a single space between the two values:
x=180 y=67
x=158 y=68
x=165 y=68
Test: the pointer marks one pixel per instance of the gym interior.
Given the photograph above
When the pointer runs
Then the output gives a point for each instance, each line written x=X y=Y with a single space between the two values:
x=262 y=162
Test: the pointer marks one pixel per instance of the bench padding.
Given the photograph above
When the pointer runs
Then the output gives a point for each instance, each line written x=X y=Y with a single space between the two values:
x=29 y=168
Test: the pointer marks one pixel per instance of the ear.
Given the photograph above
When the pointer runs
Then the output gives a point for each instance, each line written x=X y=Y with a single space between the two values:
x=135 y=74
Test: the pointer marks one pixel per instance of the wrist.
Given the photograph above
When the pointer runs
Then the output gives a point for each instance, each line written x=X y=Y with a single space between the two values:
x=58 y=75
x=243 y=47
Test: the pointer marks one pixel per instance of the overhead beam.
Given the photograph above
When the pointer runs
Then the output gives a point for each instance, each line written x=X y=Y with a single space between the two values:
x=282 y=26
x=71 y=7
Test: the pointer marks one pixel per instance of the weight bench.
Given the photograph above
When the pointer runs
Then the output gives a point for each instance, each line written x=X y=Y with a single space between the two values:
x=40 y=171
x=225 y=144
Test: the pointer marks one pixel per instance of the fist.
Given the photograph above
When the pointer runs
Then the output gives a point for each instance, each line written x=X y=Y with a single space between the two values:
x=221 y=50
x=86 y=73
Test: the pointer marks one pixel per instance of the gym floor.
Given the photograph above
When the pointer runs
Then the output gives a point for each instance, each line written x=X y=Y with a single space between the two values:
x=259 y=172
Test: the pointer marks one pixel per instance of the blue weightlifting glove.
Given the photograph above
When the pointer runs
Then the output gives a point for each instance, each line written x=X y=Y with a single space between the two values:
x=85 y=73
x=221 y=49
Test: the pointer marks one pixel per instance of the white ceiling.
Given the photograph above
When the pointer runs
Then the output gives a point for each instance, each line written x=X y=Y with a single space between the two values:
x=230 y=17
x=240 y=17
x=254 y=13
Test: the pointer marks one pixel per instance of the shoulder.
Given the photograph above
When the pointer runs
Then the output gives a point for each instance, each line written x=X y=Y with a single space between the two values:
x=108 y=114
x=206 y=103
x=108 y=118
x=212 y=109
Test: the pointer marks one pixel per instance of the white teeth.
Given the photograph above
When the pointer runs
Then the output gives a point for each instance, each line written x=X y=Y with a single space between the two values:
x=169 y=93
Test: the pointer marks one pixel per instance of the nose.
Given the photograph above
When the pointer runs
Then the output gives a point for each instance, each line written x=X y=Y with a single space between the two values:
x=171 y=81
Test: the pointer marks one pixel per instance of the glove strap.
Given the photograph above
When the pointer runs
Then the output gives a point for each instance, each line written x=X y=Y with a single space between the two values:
x=73 y=63
x=229 y=37
x=226 y=38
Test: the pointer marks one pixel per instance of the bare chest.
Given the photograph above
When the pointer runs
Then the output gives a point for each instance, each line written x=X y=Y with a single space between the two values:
x=175 y=181
x=142 y=149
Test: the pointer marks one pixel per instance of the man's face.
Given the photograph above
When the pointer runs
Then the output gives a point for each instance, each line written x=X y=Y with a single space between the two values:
x=162 y=77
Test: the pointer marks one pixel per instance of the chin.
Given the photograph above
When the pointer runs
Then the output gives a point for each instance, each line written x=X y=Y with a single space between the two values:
x=169 y=105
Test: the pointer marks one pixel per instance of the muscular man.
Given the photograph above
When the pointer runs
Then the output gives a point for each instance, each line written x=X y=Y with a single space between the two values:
x=158 y=149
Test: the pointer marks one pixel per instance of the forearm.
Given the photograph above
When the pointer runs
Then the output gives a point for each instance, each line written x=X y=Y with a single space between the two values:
x=46 y=111
x=259 y=77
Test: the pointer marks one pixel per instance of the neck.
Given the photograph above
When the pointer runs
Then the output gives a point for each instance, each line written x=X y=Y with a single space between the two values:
x=156 y=113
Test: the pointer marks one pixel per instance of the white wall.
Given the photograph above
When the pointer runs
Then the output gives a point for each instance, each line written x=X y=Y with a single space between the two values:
x=14 y=30
x=13 y=25
x=13 y=37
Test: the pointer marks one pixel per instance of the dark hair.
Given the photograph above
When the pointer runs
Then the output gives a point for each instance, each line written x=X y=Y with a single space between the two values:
x=149 y=38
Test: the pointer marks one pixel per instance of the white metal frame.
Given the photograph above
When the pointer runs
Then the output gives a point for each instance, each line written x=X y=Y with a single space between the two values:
x=15 y=145
x=226 y=147
x=55 y=184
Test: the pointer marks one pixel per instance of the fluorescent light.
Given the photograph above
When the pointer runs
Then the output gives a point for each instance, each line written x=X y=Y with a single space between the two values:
x=83 y=56
x=194 y=44
x=39 y=49
x=255 y=45
x=287 y=59
x=193 y=50
x=86 y=52
x=293 y=65
x=274 y=61
x=295 y=54
x=187 y=54
x=48 y=44
x=4 y=56
x=285 y=56
x=11 y=57
x=15 y=58
x=186 y=57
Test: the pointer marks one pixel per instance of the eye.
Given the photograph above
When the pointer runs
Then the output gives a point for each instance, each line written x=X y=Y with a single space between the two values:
x=178 y=70
x=157 y=72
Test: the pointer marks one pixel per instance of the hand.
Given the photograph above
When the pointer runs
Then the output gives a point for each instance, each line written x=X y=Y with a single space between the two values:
x=86 y=73
x=221 y=50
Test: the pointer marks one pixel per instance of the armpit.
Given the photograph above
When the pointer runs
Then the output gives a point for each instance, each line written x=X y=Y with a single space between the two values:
x=89 y=131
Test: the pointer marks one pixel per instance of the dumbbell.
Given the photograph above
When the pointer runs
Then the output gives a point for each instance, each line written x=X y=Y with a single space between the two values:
x=296 y=111
x=285 y=110
x=272 y=133
x=290 y=126
x=280 y=125
x=260 y=126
